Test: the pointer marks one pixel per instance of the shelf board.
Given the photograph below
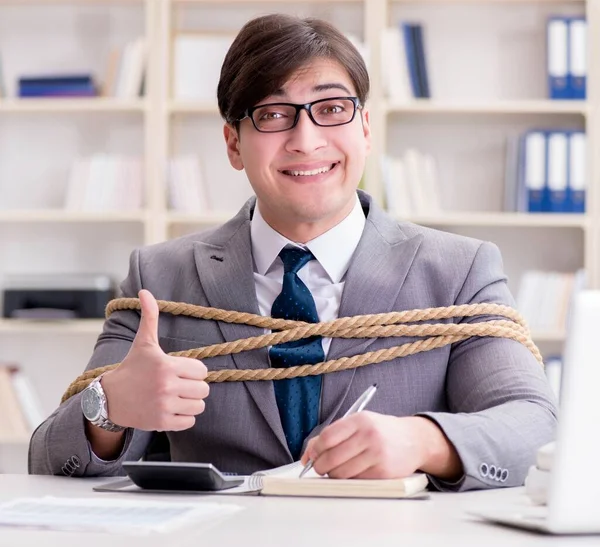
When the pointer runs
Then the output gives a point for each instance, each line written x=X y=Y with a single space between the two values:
x=61 y=216
x=548 y=336
x=193 y=107
x=71 y=105
x=489 y=1
x=64 y=326
x=516 y=220
x=192 y=2
x=14 y=441
x=199 y=219
x=432 y=106
x=59 y=2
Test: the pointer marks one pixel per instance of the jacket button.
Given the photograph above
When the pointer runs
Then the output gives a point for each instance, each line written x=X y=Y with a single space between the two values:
x=492 y=473
x=484 y=470
x=504 y=475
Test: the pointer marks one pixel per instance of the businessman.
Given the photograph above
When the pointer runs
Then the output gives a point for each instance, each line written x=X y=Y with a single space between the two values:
x=310 y=246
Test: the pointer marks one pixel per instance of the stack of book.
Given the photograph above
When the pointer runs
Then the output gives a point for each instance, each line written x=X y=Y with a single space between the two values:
x=103 y=182
x=546 y=172
x=567 y=57
x=404 y=64
x=59 y=85
x=544 y=298
x=411 y=184
x=126 y=70
x=186 y=189
x=20 y=407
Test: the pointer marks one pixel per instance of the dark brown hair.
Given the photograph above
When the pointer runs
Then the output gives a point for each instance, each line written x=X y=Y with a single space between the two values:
x=269 y=49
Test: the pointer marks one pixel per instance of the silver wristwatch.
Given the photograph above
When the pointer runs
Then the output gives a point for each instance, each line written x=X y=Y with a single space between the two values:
x=95 y=408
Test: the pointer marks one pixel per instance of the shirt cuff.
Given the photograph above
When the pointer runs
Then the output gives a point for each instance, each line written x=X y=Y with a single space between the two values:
x=99 y=460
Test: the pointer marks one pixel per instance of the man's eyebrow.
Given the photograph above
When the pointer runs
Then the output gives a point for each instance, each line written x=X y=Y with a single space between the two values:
x=333 y=85
x=318 y=88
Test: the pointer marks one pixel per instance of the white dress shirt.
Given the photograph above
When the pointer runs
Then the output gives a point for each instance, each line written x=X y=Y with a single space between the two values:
x=324 y=276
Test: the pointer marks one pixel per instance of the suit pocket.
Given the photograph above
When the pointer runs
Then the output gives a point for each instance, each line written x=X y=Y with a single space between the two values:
x=169 y=345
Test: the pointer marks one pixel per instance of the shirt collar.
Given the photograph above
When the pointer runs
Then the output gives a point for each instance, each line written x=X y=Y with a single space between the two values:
x=333 y=249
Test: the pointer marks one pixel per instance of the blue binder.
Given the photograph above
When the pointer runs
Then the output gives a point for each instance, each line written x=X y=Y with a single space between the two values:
x=421 y=61
x=577 y=75
x=557 y=63
x=411 y=59
x=557 y=172
x=535 y=170
x=576 y=192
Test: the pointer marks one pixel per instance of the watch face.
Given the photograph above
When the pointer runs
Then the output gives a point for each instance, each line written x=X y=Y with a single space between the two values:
x=91 y=404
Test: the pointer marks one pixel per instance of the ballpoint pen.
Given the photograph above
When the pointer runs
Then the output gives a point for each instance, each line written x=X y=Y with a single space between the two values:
x=359 y=405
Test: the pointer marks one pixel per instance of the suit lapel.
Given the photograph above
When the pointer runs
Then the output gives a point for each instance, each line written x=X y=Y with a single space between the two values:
x=225 y=268
x=373 y=282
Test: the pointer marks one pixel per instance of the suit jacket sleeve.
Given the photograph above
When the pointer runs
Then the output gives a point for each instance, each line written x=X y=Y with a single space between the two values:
x=61 y=438
x=501 y=406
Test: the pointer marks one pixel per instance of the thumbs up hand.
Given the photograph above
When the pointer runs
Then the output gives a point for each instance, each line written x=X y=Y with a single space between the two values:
x=151 y=390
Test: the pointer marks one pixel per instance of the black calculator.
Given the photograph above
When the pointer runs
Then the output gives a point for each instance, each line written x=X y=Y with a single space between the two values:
x=176 y=476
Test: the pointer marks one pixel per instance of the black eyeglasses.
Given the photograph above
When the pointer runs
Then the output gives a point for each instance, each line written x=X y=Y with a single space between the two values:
x=275 y=117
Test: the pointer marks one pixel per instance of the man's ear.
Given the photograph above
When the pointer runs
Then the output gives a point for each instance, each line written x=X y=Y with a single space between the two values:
x=366 y=129
x=232 y=141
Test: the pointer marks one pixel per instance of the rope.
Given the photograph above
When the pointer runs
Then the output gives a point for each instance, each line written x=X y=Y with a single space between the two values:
x=383 y=325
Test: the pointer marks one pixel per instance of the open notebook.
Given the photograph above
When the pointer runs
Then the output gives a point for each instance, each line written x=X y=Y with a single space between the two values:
x=285 y=481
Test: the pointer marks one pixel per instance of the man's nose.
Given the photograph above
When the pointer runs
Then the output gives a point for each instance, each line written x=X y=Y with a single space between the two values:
x=306 y=136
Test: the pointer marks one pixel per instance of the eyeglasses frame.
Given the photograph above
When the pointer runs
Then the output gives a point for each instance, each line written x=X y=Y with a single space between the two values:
x=299 y=108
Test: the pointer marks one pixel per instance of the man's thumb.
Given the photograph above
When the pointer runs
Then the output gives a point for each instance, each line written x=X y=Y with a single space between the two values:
x=148 y=330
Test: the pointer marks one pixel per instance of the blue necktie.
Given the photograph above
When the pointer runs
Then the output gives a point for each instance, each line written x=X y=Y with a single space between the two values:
x=297 y=398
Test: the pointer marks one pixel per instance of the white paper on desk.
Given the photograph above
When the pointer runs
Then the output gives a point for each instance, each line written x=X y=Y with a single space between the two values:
x=248 y=487
x=108 y=515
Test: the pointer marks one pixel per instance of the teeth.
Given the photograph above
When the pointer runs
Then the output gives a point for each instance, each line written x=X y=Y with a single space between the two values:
x=309 y=173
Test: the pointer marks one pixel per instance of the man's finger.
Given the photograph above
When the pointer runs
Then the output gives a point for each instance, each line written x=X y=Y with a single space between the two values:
x=332 y=435
x=341 y=455
x=147 y=334
x=190 y=369
x=354 y=467
x=192 y=389
x=180 y=423
x=188 y=407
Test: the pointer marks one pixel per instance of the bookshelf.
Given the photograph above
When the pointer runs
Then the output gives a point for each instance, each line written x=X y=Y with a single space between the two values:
x=432 y=106
x=100 y=105
x=464 y=126
x=23 y=326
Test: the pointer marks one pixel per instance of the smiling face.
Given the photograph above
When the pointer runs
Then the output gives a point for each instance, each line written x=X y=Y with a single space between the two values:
x=305 y=179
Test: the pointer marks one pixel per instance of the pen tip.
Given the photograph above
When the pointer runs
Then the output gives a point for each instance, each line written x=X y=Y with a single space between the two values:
x=374 y=385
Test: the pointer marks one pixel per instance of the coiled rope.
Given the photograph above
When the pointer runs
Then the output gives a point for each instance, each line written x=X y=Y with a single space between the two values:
x=383 y=325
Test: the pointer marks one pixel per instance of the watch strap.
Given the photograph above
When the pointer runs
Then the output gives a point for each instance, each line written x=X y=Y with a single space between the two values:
x=102 y=421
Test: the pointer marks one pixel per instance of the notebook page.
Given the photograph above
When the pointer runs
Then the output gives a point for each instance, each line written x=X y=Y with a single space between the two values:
x=109 y=515
x=291 y=471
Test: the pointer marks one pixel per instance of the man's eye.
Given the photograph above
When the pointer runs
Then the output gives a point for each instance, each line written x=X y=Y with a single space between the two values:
x=271 y=115
x=332 y=109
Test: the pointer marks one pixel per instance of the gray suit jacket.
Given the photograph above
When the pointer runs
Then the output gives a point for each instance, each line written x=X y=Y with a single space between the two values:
x=490 y=396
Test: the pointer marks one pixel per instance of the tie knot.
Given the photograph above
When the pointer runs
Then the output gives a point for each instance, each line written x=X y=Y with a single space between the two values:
x=294 y=259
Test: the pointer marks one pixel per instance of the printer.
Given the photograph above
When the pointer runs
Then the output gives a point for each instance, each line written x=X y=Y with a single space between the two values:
x=56 y=296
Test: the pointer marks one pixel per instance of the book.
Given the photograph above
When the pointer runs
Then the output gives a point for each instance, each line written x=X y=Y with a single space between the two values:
x=285 y=481
x=28 y=399
x=13 y=426
x=197 y=61
x=317 y=486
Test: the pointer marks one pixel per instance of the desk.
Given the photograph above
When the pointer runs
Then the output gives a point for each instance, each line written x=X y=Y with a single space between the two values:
x=299 y=522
